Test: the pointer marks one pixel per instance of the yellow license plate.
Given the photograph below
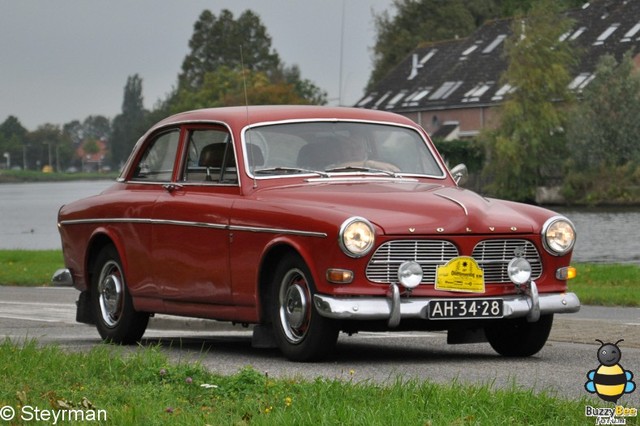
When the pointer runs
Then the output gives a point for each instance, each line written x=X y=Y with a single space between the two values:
x=460 y=274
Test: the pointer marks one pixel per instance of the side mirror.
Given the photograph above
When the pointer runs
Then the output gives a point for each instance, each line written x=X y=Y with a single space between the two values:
x=460 y=174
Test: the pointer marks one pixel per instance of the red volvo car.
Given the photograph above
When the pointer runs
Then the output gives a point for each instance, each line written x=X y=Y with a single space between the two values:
x=306 y=221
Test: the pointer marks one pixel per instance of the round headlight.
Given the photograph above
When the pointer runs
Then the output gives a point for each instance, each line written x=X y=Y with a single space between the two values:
x=558 y=235
x=356 y=237
x=519 y=270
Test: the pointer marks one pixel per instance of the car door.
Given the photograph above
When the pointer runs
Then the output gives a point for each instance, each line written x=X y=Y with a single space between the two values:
x=190 y=235
x=152 y=170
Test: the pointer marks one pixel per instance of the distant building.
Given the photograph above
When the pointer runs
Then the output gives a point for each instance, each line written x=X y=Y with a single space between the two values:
x=92 y=161
x=452 y=87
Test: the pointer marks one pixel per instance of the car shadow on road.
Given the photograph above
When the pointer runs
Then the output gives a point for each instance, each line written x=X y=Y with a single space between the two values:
x=432 y=351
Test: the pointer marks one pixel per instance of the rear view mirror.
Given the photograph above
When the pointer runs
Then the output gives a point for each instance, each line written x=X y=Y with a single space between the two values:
x=460 y=174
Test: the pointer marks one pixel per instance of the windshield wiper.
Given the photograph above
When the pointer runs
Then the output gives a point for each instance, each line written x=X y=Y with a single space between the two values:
x=288 y=170
x=362 y=169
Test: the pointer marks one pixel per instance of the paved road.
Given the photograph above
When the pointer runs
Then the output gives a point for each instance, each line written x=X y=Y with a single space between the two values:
x=48 y=314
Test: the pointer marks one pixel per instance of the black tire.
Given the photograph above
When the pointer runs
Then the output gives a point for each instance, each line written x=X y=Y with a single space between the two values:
x=300 y=332
x=519 y=338
x=115 y=318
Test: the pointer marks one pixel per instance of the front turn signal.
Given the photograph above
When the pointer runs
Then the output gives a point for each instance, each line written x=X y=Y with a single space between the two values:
x=566 y=273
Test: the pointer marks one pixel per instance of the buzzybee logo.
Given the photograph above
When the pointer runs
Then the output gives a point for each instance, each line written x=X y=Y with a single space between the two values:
x=610 y=381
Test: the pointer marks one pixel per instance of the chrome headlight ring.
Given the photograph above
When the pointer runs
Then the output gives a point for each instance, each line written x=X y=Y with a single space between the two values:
x=356 y=237
x=558 y=235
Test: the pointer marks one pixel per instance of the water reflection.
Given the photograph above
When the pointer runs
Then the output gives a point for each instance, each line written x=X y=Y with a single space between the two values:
x=28 y=211
x=28 y=214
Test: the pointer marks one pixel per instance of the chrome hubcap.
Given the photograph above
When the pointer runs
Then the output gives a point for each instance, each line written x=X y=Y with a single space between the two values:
x=110 y=293
x=294 y=306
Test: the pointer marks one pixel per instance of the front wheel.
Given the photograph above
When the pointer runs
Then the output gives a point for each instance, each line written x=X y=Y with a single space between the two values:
x=519 y=338
x=300 y=332
x=115 y=318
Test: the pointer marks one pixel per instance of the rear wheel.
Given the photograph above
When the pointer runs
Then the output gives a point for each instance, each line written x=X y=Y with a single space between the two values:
x=519 y=338
x=116 y=319
x=300 y=332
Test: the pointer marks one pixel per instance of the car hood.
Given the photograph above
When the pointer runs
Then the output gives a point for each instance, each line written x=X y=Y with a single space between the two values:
x=401 y=207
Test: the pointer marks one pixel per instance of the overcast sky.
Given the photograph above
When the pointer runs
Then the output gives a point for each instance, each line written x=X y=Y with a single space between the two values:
x=67 y=59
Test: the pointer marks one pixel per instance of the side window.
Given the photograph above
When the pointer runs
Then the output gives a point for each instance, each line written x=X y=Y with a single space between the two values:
x=156 y=164
x=210 y=157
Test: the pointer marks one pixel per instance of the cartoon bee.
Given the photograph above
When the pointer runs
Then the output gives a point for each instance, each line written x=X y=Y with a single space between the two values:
x=609 y=381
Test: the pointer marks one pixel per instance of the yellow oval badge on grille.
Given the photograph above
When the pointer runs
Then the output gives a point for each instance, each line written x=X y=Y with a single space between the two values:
x=460 y=274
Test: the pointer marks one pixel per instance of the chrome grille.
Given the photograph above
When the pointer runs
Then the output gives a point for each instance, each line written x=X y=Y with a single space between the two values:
x=383 y=266
x=492 y=255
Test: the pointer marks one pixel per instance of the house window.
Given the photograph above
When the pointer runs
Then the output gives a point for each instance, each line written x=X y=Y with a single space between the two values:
x=396 y=99
x=578 y=32
x=474 y=94
x=415 y=97
x=447 y=88
x=631 y=33
x=495 y=43
x=428 y=56
x=605 y=35
x=381 y=100
x=504 y=90
x=581 y=81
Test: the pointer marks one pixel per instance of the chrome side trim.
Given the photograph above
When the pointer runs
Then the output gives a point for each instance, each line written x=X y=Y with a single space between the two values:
x=277 y=231
x=196 y=225
x=379 y=308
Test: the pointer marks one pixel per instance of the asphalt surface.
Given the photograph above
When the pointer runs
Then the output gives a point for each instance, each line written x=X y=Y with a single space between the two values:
x=48 y=315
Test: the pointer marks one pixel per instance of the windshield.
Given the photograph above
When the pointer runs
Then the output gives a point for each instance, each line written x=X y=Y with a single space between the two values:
x=328 y=147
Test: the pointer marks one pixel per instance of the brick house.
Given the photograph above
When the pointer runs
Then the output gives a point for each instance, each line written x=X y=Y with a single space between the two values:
x=452 y=88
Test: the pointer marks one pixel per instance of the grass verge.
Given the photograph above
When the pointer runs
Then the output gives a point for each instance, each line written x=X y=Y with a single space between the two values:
x=596 y=284
x=142 y=386
x=17 y=176
x=29 y=267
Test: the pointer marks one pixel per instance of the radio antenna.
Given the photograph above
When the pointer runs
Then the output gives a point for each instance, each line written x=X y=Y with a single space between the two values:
x=246 y=105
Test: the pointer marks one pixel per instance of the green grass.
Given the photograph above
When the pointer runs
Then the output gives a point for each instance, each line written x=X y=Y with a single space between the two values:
x=143 y=387
x=15 y=176
x=29 y=267
x=607 y=284
x=596 y=284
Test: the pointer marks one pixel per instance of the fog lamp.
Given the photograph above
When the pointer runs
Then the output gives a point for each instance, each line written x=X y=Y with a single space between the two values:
x=519 y=270
x=410 y=274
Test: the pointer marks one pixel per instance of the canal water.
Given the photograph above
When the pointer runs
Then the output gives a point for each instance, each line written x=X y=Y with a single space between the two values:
x=28 y=214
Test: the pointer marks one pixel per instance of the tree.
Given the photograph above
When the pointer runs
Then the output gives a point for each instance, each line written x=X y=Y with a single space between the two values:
x=224 y=41
x=130 y=124
x=45 y=143
x=226 y=87
x=604 y=126
x=13 y=141
x=602 y=136
x=419 y=21
x=227 y=54
x=528 y=147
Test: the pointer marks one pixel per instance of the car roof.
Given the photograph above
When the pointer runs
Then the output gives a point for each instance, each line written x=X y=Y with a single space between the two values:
x=241 y=116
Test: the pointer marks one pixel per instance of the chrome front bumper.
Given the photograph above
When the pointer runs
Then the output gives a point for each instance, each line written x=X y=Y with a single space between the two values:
x=394 y=308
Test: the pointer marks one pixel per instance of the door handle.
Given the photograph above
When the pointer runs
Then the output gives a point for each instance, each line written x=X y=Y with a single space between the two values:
x=170 y=187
